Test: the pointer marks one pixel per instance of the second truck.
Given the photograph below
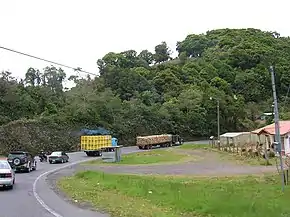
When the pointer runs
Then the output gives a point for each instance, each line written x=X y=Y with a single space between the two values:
x=163 y=140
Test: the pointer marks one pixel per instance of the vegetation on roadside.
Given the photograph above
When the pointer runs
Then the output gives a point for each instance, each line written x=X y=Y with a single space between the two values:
x=157 y=156
x=194 y=146
x=228 y=156
x=243 y=159
x=150 y=92
x=133 y=195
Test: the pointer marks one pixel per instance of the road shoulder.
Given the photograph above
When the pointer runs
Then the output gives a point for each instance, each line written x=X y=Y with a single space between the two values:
x=56 y=200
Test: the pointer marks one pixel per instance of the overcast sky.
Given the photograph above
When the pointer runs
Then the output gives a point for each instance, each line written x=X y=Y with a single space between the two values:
x=77 y=33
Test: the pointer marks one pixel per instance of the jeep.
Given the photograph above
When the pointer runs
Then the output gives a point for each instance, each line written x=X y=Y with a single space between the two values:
x=21 y=161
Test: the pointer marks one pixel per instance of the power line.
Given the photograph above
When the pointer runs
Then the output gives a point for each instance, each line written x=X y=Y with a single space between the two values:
x=78 y=69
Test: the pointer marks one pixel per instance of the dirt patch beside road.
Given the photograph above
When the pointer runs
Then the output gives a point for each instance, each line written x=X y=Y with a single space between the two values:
x=210 y=164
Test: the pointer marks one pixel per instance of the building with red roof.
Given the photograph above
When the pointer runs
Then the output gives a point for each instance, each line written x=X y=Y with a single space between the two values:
x=269 y=131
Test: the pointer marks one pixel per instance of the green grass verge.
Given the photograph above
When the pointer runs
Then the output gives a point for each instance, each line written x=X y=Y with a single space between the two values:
x=158 y=156
x=194 y=146
x=241 y=159
x=135 y=196
x=223 y=155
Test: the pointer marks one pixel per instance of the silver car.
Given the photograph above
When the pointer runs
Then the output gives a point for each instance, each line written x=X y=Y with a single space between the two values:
x=7 y=174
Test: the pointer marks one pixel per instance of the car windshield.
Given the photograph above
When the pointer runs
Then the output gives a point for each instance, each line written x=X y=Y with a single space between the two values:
x=57 y=153
x=4 y=165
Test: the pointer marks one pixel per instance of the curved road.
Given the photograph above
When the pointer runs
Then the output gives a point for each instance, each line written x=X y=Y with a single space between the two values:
x=32 y=197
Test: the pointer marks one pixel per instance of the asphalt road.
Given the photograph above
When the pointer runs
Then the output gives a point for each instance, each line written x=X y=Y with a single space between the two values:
x=32 y=197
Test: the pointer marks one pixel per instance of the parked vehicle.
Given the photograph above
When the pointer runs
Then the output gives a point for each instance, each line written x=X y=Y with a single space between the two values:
x=7 y=174
x=164 y=140
x=93 y=141
x=58 y=157
x=22 y=161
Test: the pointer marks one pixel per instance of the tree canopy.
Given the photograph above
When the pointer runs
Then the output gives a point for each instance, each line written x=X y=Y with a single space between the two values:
x=151 y=92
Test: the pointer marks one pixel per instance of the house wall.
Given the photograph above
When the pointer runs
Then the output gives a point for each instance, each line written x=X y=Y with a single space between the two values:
x=285 y=140
x=239 y=140
x=249 y=138
x=287 y=143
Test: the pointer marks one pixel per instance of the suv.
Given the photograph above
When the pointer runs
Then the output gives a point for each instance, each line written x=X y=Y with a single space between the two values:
x=21 y=161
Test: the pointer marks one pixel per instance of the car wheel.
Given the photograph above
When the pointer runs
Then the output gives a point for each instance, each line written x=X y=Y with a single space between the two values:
x=16 y=161
x=50 y=162
x=35 y=166
x=13 y=181
x=10 y=187
x=28 y=169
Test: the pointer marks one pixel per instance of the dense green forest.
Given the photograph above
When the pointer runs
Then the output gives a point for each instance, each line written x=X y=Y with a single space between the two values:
x=151 y=92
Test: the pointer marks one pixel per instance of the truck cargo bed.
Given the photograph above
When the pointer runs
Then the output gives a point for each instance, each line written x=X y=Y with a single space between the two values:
x=93 y=143
x=153 y=140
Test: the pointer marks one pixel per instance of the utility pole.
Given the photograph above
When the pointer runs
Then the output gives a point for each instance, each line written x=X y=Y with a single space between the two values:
x=218 y=119
x=277 y=125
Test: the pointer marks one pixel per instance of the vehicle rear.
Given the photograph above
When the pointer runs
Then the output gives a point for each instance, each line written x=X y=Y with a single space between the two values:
x=92 y=145
x=7 y=175
x=57 y=157
x=18 y=160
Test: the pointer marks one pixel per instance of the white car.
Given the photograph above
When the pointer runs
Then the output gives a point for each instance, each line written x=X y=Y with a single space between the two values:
x=7 y=174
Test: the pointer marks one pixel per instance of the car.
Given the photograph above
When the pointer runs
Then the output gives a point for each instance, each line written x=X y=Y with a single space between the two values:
x=22 y=161
x=58 y=157
x=7 y=174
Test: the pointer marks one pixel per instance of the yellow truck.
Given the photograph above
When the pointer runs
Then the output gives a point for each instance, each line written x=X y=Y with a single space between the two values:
x=92 y=145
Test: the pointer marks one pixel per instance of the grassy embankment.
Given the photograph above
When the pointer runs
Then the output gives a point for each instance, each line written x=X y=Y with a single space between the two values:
x=229 y=156
x=155 y=156
x=164 y=196
x=168 y=196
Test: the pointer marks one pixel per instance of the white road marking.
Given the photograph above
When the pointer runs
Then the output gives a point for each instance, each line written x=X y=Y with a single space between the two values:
x=40 y=201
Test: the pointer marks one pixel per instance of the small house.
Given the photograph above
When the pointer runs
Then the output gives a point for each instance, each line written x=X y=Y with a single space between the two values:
x=239 y=139
x=269 y=132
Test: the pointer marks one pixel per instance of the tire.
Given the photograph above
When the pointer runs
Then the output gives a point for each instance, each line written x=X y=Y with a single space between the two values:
x=16 y=161
x=10 y=187
x=29 y=168
x=50 y=162
x=35 y=166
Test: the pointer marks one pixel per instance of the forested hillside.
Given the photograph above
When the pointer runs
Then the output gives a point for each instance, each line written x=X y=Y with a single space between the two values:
x=150 y=93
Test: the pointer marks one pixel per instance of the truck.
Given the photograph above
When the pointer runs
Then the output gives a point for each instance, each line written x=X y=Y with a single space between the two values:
x=93 y=141
x=163 y=140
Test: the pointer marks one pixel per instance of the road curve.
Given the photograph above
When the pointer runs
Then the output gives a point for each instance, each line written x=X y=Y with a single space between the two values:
x=32 y=197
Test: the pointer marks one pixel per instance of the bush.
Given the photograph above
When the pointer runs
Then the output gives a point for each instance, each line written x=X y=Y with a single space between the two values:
x=36 y=135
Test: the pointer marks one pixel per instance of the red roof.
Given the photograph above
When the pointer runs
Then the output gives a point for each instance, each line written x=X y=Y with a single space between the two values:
x=270 y=129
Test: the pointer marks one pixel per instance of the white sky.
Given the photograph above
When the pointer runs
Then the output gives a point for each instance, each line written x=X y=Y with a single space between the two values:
x=77 y=33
